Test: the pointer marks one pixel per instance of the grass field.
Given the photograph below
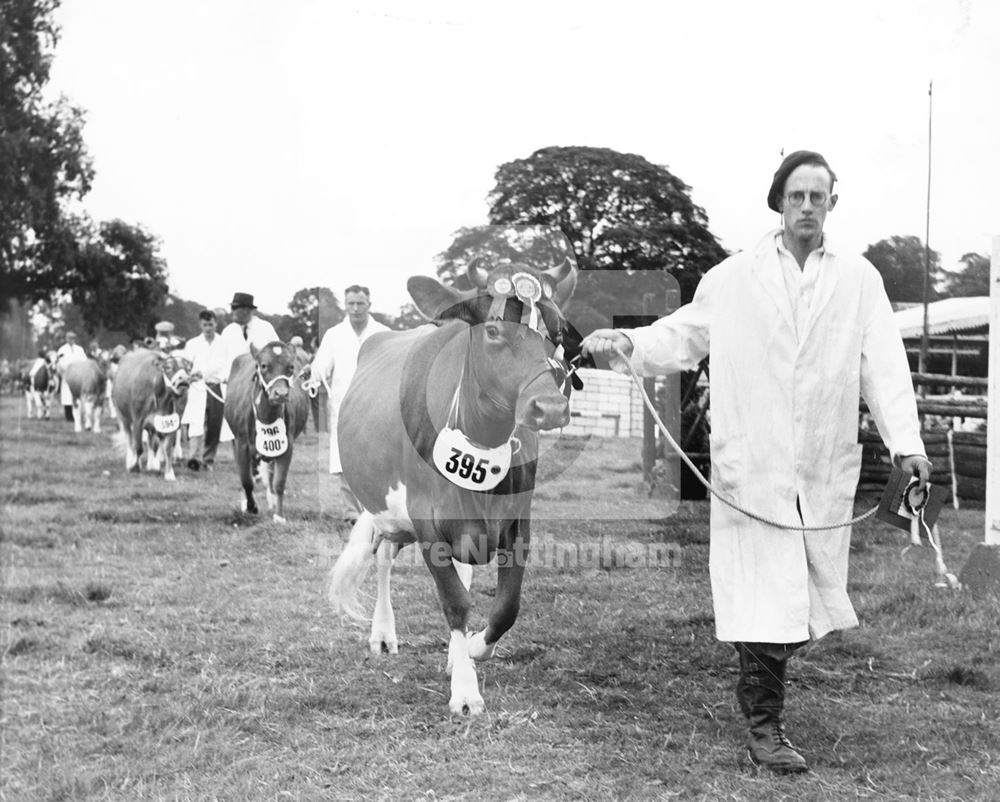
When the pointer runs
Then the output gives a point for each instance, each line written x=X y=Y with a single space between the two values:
x=159 y=645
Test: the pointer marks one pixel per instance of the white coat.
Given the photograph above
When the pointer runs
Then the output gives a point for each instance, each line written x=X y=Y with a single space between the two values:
x=334 y=364
x=785 y=428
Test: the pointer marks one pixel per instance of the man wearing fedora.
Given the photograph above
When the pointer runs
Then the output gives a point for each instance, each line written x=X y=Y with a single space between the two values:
x=246 y=329
x=796 y=329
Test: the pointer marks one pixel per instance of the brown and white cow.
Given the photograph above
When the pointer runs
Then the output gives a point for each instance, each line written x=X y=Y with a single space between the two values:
x=266 y=408
x=439 y=441
x=40 y=382
x=86 y=380
x=149 y=393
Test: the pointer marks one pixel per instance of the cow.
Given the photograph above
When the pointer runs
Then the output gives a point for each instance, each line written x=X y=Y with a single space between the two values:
x=266 y=409
x=439 y=442
x=86 y=380
x=40 y=382
x=149 y=393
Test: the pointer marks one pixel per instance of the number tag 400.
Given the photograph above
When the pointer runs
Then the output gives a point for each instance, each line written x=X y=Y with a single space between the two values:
x=272 y=439
x=467 y=464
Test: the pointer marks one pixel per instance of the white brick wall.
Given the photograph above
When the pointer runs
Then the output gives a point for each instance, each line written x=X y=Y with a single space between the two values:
x=608 y=406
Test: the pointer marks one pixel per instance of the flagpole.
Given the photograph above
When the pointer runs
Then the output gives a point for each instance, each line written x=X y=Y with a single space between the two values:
x=927 y=234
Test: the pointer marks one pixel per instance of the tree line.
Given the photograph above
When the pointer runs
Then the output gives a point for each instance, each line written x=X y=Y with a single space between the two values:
x=606 y=210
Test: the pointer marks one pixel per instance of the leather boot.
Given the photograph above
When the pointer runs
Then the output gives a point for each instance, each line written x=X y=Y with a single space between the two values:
x=760 y=691
x=194 y=453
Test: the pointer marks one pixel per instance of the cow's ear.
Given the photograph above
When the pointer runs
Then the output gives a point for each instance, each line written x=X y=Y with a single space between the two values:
x=431 y=297
x=253 y=351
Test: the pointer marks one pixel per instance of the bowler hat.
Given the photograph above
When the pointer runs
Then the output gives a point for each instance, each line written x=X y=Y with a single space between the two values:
x=242 y=299
x=792 y=160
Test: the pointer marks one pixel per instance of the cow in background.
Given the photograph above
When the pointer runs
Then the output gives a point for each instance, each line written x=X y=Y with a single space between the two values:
x=439 y=441
x=149 y=393
x=40 y=382
x=87 y=380
x=266 y=408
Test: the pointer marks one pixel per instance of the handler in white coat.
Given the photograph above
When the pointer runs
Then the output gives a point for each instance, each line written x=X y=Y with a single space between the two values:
x=795 y=330
x=334 y=365
x=68 y=353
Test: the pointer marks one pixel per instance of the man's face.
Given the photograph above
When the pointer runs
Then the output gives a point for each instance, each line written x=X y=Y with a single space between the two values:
x=810 y=184
x=357 y=304
x=71 y=339
x=208 y=328
x=242 y=314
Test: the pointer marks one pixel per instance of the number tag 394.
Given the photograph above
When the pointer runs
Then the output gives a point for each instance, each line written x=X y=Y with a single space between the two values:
x=166 y=424
x=272 y=439
x=468 y=465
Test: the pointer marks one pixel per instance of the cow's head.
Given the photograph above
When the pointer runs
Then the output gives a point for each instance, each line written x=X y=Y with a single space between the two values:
x=176 y=373
x=516 y=325
x=275 y=371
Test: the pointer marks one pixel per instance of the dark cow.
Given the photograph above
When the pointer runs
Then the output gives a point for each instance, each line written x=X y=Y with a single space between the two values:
x=86 y=380
x=40 y=382
x=266 y=408
x=439 y=441
x=149 y=392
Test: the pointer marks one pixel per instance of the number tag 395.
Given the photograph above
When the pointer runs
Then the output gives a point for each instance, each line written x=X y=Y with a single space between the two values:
x=272 y=439
x=468 y=465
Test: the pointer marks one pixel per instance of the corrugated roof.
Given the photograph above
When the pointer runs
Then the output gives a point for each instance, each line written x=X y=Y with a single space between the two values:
x=945 y=317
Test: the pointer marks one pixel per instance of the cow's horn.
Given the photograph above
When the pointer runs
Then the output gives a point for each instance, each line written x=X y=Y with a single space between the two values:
x=477 y=273
x=560 y=271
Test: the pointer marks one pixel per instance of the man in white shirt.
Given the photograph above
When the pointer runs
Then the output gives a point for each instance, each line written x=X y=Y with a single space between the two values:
x=203 y=413
x=246 y=329
x=68 y=353
x=334 y=365
x=796 y=330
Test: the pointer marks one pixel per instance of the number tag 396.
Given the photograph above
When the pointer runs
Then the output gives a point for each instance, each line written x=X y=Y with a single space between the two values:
x=272 y=439
x=468 y=465
x=166 y=424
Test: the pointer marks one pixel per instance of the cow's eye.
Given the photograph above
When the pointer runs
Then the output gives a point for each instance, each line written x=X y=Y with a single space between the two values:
x=493 y=331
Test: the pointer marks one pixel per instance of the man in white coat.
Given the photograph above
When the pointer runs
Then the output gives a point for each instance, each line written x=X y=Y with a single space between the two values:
x=795 y=330
x=203 y=411
x=334 y=364
x=68 y=353
x=245 y=330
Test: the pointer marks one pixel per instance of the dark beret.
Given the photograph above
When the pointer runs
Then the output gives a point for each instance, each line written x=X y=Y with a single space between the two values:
x=792 y=160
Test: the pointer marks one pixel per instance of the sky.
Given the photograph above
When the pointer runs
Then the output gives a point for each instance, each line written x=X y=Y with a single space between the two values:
x=276 y=146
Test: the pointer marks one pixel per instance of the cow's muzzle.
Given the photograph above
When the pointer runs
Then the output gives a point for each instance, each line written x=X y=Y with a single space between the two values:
x=543 y=411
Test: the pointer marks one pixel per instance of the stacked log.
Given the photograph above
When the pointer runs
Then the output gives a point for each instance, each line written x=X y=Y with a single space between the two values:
x=970 y=462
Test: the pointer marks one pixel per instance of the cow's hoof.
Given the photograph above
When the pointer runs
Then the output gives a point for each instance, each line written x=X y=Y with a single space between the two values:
x=467 y=704
x=479 y=649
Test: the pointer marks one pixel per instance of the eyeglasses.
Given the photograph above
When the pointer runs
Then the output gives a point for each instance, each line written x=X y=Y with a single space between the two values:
x=797 y=197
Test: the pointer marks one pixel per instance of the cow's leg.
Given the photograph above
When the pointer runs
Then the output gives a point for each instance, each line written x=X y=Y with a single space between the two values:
x=277 y=476
x=133 y=445
x=77 y=415
x=167 y=446
x=456 y=601
x=507 y=601
x=384 y=620
x=153 y=452
x=87 y=412
x=245 y=462
x=28 y=403
x=96 y=412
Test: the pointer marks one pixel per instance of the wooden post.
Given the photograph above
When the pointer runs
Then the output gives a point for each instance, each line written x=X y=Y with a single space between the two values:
x=982 y=572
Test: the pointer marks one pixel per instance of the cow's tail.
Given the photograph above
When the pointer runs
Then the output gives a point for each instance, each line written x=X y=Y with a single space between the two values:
x=349 y=571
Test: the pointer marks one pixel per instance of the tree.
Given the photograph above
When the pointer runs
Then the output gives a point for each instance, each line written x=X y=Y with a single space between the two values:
x=316 y=309
x=972 y=279
x=43 y=161
x=120 y=279
x=618 y=211
x=900 y=260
